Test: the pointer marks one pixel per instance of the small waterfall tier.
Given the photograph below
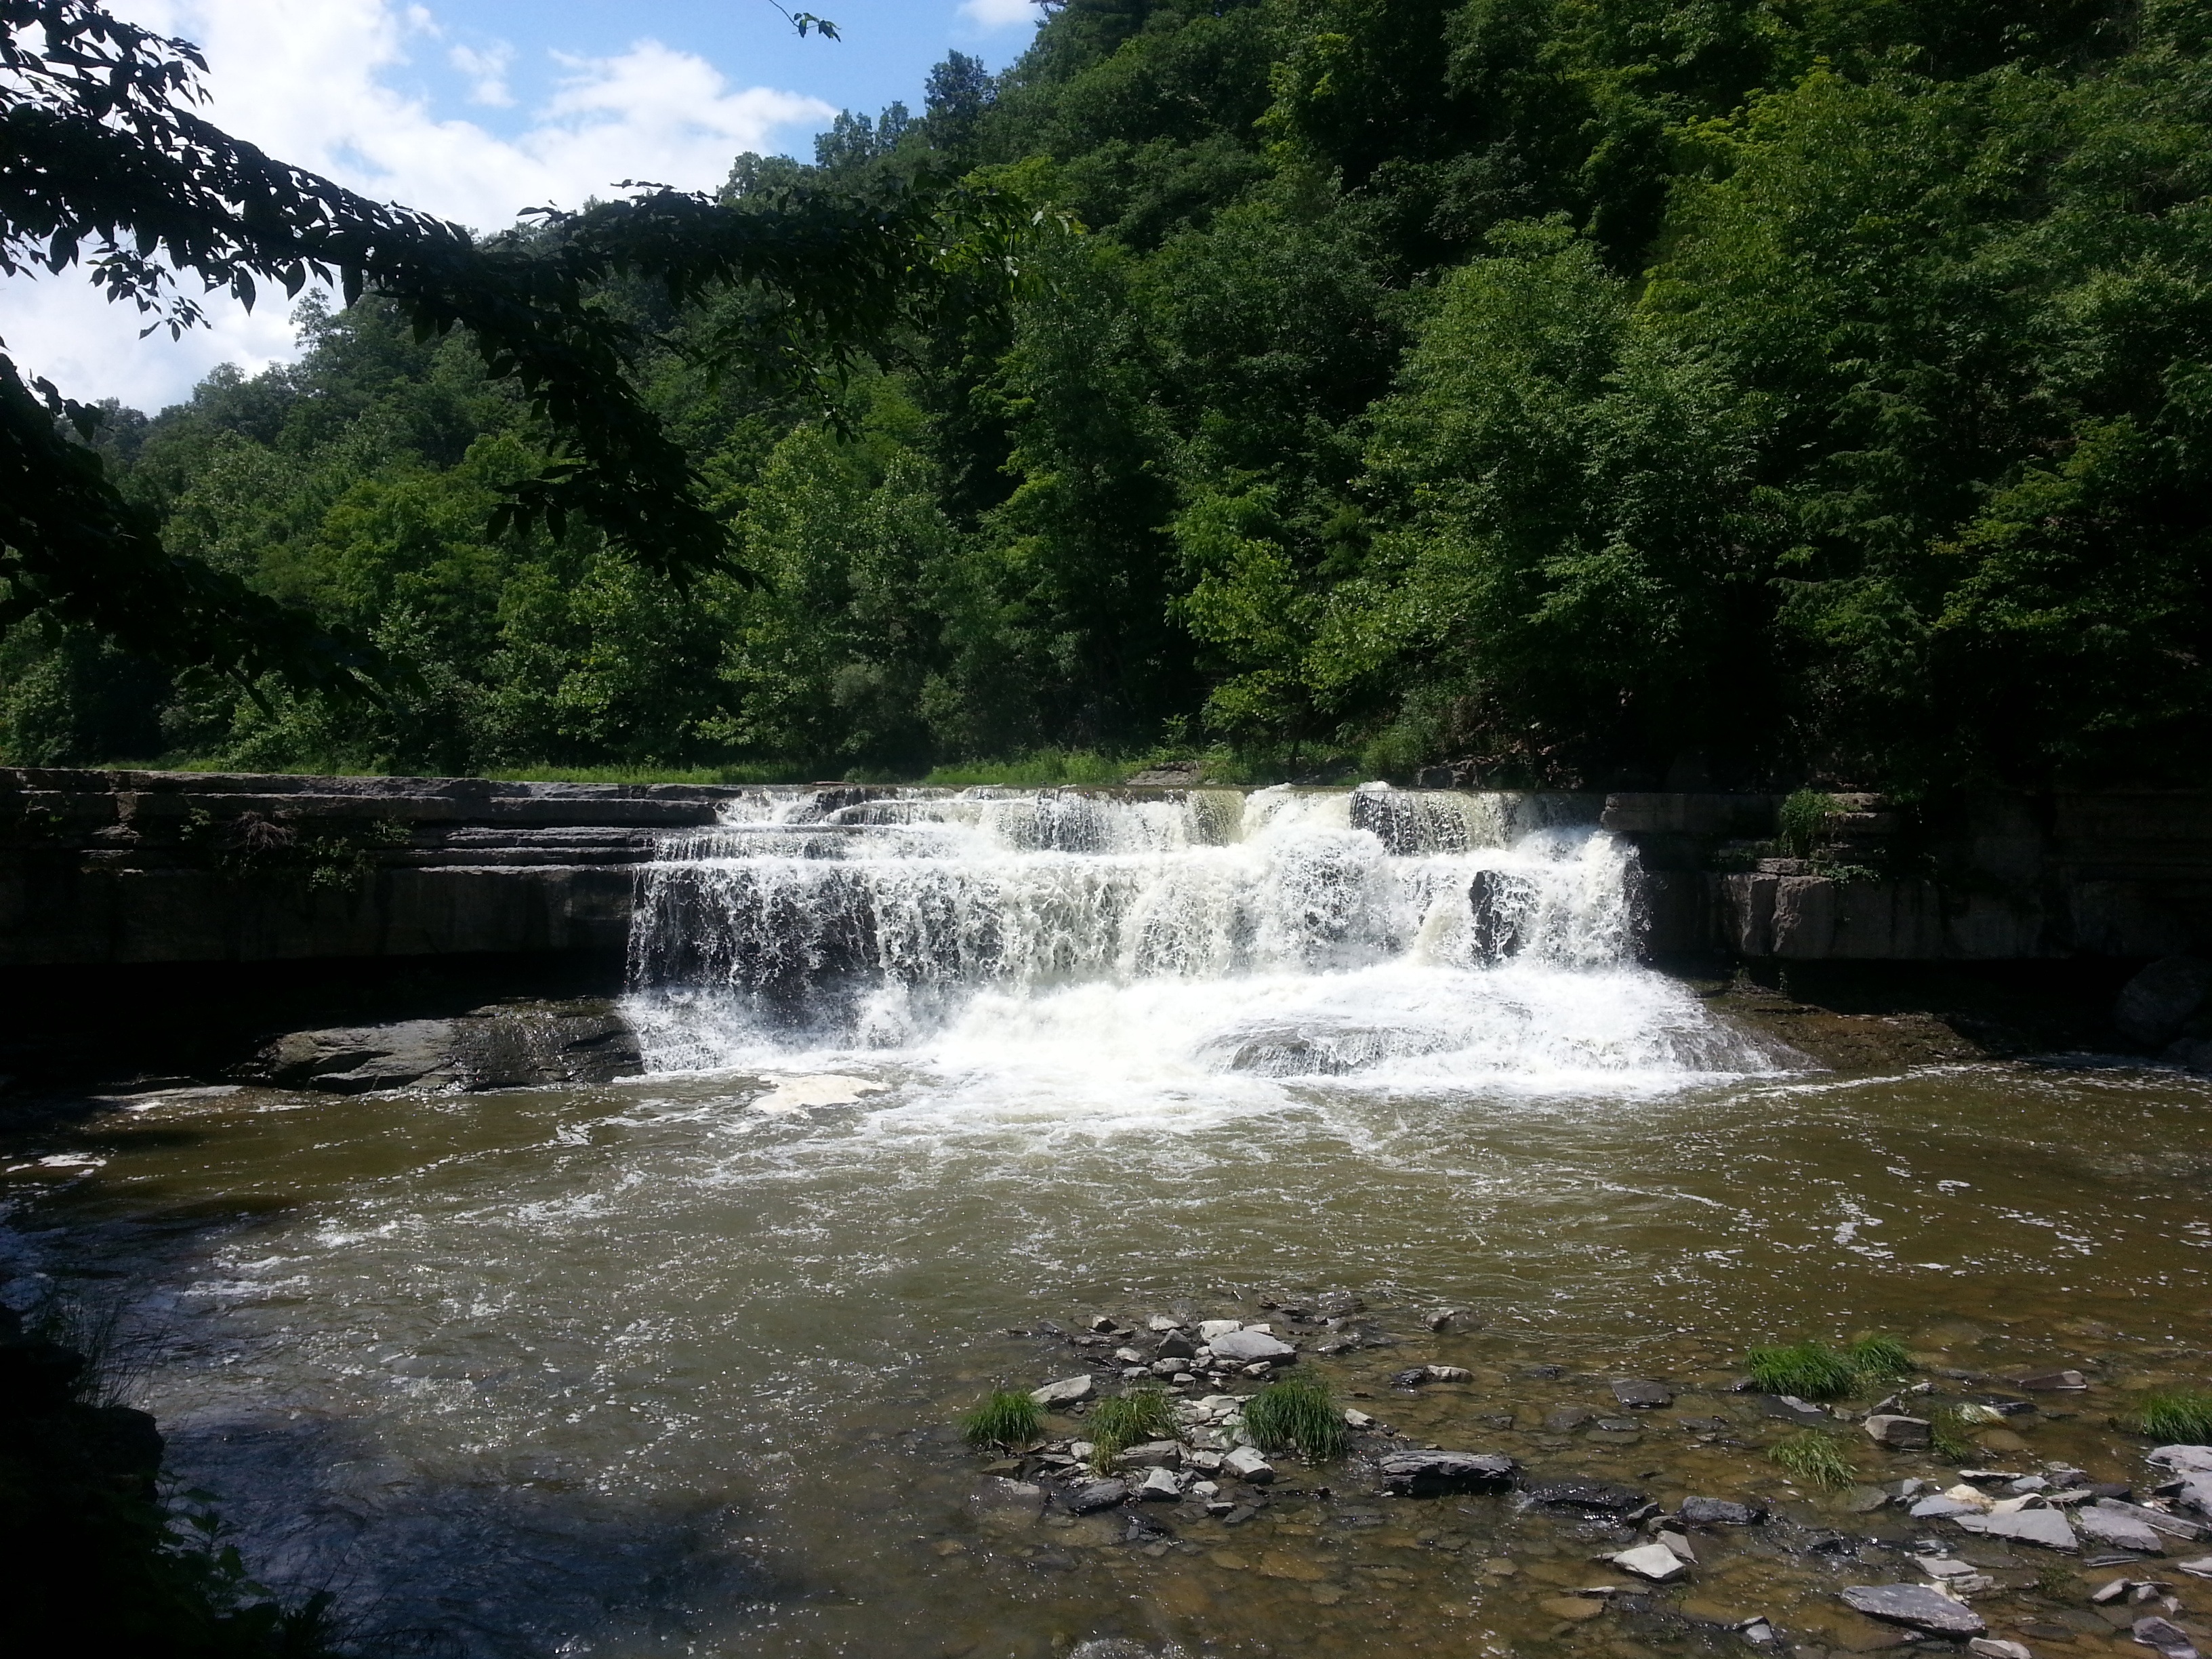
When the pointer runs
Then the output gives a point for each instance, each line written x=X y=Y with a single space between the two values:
x=1282 y=932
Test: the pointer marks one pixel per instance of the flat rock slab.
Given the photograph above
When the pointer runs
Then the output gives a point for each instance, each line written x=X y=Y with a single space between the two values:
x=2046 y=1527
x=1427 y=1473
x=1252 y=1347
x=1641 y=1395
x=1792 y=1410
x=1915 y=1605
x=1094 y=1495
x=1068 y=1391
x=2179 y=1526
x=1601 y=1496
x=2183 y=1460
x=2122 y=1531
x=1653 y=1561
x=1721 y=1512
x=1937 y=1506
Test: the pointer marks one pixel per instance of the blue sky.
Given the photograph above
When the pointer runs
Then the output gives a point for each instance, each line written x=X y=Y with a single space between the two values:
x=476 y=109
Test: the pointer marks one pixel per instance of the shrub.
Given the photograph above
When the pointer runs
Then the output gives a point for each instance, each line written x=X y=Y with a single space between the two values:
x=1814 y=1458
x=1298 y=1412
x=1007 y=1417
x=1144 y=1413
x=2175 y=1417
x=1803 y=820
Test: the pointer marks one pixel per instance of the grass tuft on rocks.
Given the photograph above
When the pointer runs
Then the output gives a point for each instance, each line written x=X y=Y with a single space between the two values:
x=1950 y=1432
x=1008 y=1418
x=1879 y=1359
x=1811 y=1371
x=1814 y=1458
x=1146 y=1412
x=2175 y=1417
x=1298 y=1413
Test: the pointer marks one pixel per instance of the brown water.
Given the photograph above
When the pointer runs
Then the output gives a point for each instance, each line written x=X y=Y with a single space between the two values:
x=637 y=1370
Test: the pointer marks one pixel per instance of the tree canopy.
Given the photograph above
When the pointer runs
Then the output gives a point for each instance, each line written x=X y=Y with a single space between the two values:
x=1591 y=392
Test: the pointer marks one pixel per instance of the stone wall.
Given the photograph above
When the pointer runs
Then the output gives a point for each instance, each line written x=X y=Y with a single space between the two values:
x=112 y=868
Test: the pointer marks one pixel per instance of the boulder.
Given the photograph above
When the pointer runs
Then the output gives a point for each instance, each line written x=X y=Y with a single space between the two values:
x=1600 y=1497
x=1720 y=1512
x=1248 y=1465
x=1068 y=1391
x=1251 y=1347
x=1915 y=1605
x=504 y=1045
x=1427 y=1473
x=1093 y=1495
x=1901 y=1433
x=2152 y=1007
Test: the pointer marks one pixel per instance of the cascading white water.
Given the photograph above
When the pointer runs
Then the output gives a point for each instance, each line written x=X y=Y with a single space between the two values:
x=1409 y=937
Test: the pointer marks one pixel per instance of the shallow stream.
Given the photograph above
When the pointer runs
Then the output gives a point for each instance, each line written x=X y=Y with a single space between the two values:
x=672 y=1366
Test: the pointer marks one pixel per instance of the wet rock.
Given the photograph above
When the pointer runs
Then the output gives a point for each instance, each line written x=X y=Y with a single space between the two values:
x=1356 y=1419
x=1094 y=1495
x=1129 y=1356
x=1175 y=1346
x=1568 y=1418
x=1338 y=1305
x=2200 y=1568
x=1641 y=1395
x=1938 y=1507
x=1915 y=1605
x=1444 y=1318
x=1790 y=1409
x=504 y=1045
x=1253 y=1348
x=1575 y=1609
x=2177 y=1526
x=2185 y=1459
x=1210 y=1328
x=1653 y=1561
x=1248 y=1465
x=1899 y=1433
x=2046 y=1526
x=1068 y=1391
x=2066 y=1381
x=1151 y=1454
x=1449 y=1374
x=1159 y=1486
x=1103 y=1322
x=1412 y=1377
x=1599 y=1497
x=2115 y=1527
x=1865 y=1500
x=994 y=1492
x=1720 y=1512
x=2169 y=1638
x=1160 y=1324
x=1428 y=1474
x=1986 y=1647
x=2152 y=1007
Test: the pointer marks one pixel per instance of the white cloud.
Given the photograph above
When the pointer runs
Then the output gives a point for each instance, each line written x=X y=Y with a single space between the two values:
x=999 y=13
x=487 y=72
x=312 y=83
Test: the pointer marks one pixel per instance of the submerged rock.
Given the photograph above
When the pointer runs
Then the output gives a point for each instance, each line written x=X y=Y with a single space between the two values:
x=1094 y=1495
x=1601 y=1497
x=1427 y=1473
x=1720 y=1511
x=1641 y=1395
x=2046 y=1526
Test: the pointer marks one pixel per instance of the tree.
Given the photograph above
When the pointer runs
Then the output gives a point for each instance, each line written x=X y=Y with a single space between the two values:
x=103 y=163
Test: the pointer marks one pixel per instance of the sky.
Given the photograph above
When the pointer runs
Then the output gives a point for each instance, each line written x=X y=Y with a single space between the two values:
x=475 y=109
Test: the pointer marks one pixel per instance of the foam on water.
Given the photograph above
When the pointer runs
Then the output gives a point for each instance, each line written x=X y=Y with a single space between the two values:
x=1055 y=952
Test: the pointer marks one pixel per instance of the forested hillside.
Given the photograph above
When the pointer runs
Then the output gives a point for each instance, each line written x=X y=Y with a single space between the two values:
x=1597 y=392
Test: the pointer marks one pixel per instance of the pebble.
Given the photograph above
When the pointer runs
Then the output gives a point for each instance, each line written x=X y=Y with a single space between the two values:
x=1915 y=1605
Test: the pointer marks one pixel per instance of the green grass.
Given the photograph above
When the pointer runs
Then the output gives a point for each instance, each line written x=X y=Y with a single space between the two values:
x=1298 y=1413
x=1950 y=1435
x=1811 y=1371
x=2175 y=1417
x=1130 y=1420
x=1814 y=1458
x=1879 y=1359
x=1008 y=1418
x=1803 y=820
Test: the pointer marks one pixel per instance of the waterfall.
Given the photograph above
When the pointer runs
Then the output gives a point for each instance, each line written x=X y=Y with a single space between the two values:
x=1281 y=934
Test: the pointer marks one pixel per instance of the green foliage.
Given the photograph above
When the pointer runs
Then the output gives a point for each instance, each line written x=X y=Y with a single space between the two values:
x=1950 y=1435
x=1879 y=1359
x=1803 y=819
x=1007 y=1417
x=2174 y=1416
x=1123 y=1421
x=1044 y=767
x=1816 y=1458
x=1810 y=1371
x=1594 y=395
x=1298 y=1413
